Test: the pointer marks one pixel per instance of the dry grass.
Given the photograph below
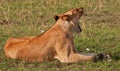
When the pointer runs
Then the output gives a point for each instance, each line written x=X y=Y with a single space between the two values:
x=100 y=24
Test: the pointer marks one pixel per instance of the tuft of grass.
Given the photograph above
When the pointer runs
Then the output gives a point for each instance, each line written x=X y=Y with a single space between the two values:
x=100 y=25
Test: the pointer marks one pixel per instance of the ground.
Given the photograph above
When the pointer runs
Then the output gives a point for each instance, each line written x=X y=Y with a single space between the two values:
x=100 y=25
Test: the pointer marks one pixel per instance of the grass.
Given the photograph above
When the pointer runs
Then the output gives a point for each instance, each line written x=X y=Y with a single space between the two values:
x=100 y=24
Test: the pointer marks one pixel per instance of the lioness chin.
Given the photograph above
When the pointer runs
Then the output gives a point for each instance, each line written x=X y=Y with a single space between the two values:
x=55 y=43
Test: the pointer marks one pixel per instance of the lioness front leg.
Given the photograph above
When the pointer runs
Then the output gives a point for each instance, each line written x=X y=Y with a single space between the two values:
x=75 y=57
x=67 y=55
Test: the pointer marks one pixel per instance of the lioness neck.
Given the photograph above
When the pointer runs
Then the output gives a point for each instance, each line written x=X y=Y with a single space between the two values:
x=65 y=26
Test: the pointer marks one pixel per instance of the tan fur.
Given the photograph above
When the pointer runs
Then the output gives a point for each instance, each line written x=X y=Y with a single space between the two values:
x=56 y=43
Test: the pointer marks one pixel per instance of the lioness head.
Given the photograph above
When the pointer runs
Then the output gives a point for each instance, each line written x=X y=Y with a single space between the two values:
x=71 y=19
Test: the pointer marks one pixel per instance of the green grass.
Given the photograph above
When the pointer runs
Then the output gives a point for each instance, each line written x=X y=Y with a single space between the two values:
x=101 y=31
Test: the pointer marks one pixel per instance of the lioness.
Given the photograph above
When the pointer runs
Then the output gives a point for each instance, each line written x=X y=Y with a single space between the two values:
x=55 y=43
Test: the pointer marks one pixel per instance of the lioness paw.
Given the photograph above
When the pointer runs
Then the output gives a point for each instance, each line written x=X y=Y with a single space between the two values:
x=101 y=56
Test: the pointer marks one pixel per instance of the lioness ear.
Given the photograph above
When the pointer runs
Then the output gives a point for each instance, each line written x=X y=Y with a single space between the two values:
x=66 y=17
x=56 y=17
